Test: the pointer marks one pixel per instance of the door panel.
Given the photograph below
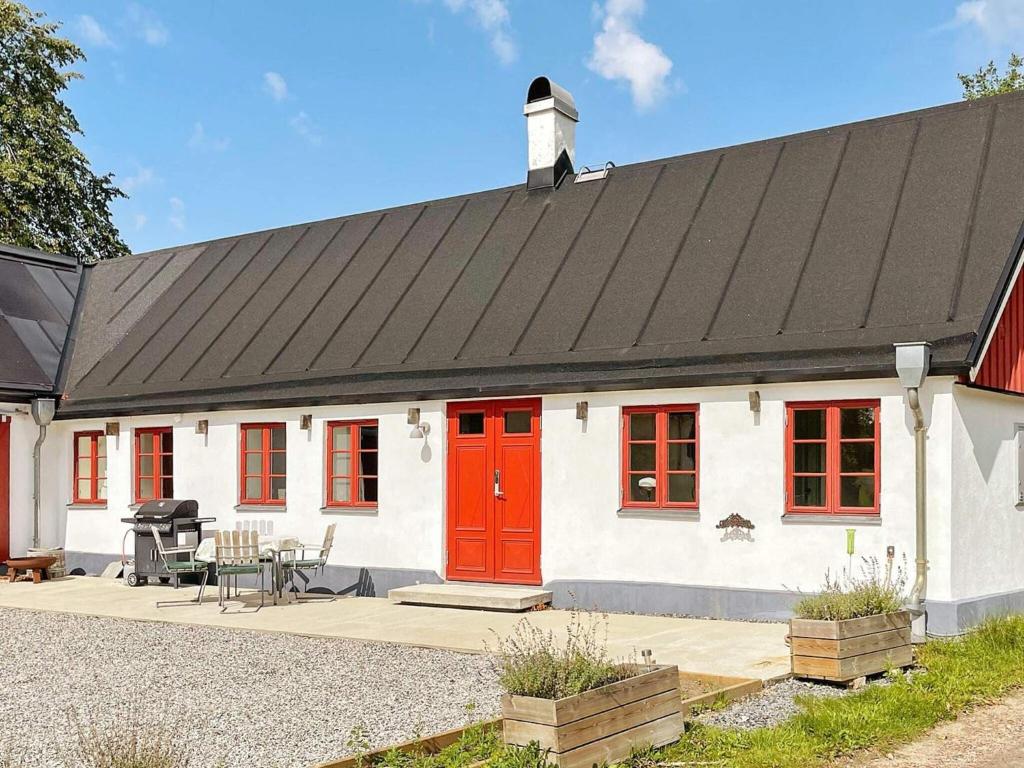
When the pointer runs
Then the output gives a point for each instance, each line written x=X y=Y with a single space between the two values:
x=494 y=491
x=5 y=488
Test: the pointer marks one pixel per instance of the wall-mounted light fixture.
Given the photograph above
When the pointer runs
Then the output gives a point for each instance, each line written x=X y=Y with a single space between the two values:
x=306 y=421
x=419 y=428
x=112 y=429
x=582 y=407
x=754 y=398
x=202 y=427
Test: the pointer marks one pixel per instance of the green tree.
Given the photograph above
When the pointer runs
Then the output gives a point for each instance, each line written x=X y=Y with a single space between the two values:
x=988 y=82
x=50 y=198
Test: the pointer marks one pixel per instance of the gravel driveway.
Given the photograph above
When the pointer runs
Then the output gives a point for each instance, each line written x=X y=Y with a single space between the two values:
x=243 y=698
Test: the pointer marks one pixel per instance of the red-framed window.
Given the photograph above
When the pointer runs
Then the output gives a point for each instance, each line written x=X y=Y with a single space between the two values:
x=263 y=464
x=352 y=463
x=154 y=464
x=833 y=457
x=660 y=456
x=90 y=484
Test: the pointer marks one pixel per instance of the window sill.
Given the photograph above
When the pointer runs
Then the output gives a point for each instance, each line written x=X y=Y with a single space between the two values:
x=652 y=513
x=811 y=518
x=86 y=505
x=261 y=508
x=356 y=511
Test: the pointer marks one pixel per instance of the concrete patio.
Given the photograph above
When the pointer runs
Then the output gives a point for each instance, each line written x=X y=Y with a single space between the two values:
x=739 y=649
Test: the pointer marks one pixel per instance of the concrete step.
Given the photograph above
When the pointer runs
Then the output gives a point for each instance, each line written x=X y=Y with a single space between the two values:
x=486 y=597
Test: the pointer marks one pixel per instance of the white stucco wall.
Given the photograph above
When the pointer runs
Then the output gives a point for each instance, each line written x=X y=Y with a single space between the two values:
x=583 y=536
x=988 y=525
x=23 y=436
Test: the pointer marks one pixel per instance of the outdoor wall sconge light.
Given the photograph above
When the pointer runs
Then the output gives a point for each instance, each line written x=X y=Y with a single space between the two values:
x=754 y=398
x=306 y=421
x=419 y=428
x=112 y=429
x=202 y=427
x=581 y=410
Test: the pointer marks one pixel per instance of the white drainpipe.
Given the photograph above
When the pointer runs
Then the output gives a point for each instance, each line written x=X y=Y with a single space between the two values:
x=912 y=363
x=42 y=412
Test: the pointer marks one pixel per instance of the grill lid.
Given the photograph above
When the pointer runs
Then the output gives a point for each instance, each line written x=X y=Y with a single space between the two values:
x=168 y=509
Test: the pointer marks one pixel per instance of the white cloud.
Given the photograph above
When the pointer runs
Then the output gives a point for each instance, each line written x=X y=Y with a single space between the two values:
x=142 y=177
x=199 y=140
x=303 y=125
x=494 y=18
x=177 y=215
x=1000 y=21
x=275 y=85
x=140 y=220
x=622 y=54
x=146 y=25
x=93 y=32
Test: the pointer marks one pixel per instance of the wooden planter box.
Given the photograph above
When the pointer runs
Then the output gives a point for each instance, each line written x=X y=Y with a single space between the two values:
x=842 y=651
x=602 y=725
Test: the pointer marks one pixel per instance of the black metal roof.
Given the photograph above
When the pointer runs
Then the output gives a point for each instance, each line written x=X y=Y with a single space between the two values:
x=800 y=257
x=37 y=298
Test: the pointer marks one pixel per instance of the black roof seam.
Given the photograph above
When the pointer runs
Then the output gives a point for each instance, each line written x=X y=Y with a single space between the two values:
x=508 y=270
x=965 y=243
x=561 y=264
x=181 y=303
x=284 y=300
x=892 y=224
x=132 y=271
x=223 y=329
x=816 y=233
x=743 y=246
x=327 y=290
x=206 y=310
x=145 y=284
x=618 y=258
x=679 y=249
x=368 y=288
x=411 y=283
x=458 y=277
x=45 y=292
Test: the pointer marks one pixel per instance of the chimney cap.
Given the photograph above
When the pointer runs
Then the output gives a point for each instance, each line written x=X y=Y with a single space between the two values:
x=543 y=88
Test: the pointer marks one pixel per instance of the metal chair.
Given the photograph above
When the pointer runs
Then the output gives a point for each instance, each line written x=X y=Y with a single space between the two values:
x=238 y=553
x=314 y=564
x=176 y=567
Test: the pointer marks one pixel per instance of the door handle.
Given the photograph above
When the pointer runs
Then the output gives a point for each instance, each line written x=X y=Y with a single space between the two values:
x=497 y=482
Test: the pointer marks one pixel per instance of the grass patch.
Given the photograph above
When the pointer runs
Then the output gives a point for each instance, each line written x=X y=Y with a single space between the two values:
x=877 y=590
x=957 y=674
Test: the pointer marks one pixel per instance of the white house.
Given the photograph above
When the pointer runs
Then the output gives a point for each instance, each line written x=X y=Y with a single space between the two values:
x=596 y=381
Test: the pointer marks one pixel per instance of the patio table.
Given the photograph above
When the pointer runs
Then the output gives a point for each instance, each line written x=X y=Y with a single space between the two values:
x=271 y=547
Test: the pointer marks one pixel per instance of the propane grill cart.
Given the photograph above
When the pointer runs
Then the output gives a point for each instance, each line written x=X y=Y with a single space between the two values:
x=179 y=525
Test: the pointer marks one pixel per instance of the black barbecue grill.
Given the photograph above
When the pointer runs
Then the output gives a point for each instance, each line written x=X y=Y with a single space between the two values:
x=179 y=525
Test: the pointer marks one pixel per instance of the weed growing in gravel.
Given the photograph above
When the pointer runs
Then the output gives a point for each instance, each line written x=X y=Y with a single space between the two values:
x=532 y=662
x=127 y=743
x=876 y=590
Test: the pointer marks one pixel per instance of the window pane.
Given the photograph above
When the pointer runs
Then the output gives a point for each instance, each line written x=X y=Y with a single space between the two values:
x=341 y=464
x=253 y=439
x=368 y=489
x=517 y=422
x=101 y=490
x=85 y=468
x=101 y=446
x=809 y=424
x=146 y=488
x=368 y=437
x=167 y=466
x=165 y=442
x=146 y=465
x=809 y=457
x=857 y=457
x=83 y=445
x=342 y=437
x=641 y=426
x=277 y=488
x=809 y=491
x=253 y=463
x=641 y=457
x=857 y=492
x=277 y=463
x=682 y=426
x=84 y=489
x=682 y=456
x=471 y=423
x=341 y=489
x=277 y=437
x=857 y=422
x=682 y=488
x=368 y=463
x=253 y=487
x=641 y=488
x=167 y=488
x=146 y=442
x=101 y=467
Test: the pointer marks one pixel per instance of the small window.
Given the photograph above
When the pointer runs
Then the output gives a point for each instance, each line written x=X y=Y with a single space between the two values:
x=471 y=423
x=832 y=457
x=352 y=448
x=154 y=464
x=518 y=422
x=90 y=482
x=264 y=464
x=660 y=456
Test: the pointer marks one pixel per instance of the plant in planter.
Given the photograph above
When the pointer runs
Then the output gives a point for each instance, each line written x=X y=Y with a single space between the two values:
x=576 y=703
x=856 y=626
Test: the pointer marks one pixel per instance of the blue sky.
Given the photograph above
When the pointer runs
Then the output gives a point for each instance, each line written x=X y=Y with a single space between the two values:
x=229 y=116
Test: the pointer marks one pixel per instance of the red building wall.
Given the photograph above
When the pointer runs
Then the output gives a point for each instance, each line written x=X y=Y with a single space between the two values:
x=1003 y=364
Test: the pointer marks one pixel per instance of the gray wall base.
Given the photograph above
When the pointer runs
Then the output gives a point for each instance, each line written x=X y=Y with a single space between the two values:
x=957 y=616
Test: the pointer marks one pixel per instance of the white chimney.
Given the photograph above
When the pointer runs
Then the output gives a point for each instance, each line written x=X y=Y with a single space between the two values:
x=551 y=119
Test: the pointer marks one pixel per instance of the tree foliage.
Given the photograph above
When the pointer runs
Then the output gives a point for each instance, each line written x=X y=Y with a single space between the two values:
x=50 y=198
x=987 y=81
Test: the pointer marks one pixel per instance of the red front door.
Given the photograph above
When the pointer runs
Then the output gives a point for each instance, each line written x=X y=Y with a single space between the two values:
x=494 y=491
x=5 y=488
